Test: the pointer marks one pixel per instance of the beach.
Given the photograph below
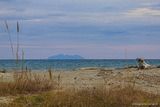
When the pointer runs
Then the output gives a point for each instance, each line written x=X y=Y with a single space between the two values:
x=146 y=80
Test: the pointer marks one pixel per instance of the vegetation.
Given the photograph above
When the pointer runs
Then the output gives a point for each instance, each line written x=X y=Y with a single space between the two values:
x=26 y=83
x=123 y=97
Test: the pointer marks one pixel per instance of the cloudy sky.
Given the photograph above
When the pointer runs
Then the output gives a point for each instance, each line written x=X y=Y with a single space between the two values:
x=91 y=28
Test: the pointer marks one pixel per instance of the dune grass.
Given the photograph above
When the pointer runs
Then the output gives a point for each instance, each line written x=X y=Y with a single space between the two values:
x=9 y=35
x=26 y=83
x=89 y=97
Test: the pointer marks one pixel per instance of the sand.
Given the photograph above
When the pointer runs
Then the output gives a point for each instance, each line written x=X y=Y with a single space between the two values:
x=147 y=80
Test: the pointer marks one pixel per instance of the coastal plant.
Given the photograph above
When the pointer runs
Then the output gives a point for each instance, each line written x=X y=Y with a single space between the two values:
x=9 y=35
x=23 y=61
x=59 y=80
x=87 y=97
x=17 y=51
x=50 y=73
x=14 y=53
x=26 y=83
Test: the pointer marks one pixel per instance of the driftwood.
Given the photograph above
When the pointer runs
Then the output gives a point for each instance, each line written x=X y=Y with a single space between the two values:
x=142 y=64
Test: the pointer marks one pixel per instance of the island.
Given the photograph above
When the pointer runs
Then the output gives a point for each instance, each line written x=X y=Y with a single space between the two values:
x=63 y=56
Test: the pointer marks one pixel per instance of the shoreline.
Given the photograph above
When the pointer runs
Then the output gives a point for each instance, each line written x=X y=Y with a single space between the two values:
x=72 y=65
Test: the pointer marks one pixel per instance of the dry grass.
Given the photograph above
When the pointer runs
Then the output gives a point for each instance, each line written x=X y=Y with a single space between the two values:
x=26 y=83
x=10 y=39
x=123 y=97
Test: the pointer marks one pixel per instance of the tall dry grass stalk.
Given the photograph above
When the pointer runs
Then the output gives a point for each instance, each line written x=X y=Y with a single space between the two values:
x=10 y=39
x=59 y=80
x=17 y=51
x=23 y=60
x=50 y=73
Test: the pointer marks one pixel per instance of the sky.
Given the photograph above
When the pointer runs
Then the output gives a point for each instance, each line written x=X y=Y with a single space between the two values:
x=94 y=29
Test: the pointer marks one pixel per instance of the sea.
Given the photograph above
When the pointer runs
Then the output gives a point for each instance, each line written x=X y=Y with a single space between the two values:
x=71 y=65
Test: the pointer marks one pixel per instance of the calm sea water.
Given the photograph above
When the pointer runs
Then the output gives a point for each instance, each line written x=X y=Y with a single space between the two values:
x=71 y=64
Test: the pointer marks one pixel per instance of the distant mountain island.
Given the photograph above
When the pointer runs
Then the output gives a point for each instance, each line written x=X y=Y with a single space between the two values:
x=62 y=56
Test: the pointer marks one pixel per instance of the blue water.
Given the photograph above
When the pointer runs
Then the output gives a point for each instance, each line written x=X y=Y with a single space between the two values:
x=71 y=64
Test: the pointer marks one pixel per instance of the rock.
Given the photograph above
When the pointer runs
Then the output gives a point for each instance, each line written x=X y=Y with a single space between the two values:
x=131 y=67
x=158 y=66
x=3 y=71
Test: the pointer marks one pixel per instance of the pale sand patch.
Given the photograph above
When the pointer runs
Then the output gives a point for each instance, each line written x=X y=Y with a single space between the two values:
x=6 y=100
